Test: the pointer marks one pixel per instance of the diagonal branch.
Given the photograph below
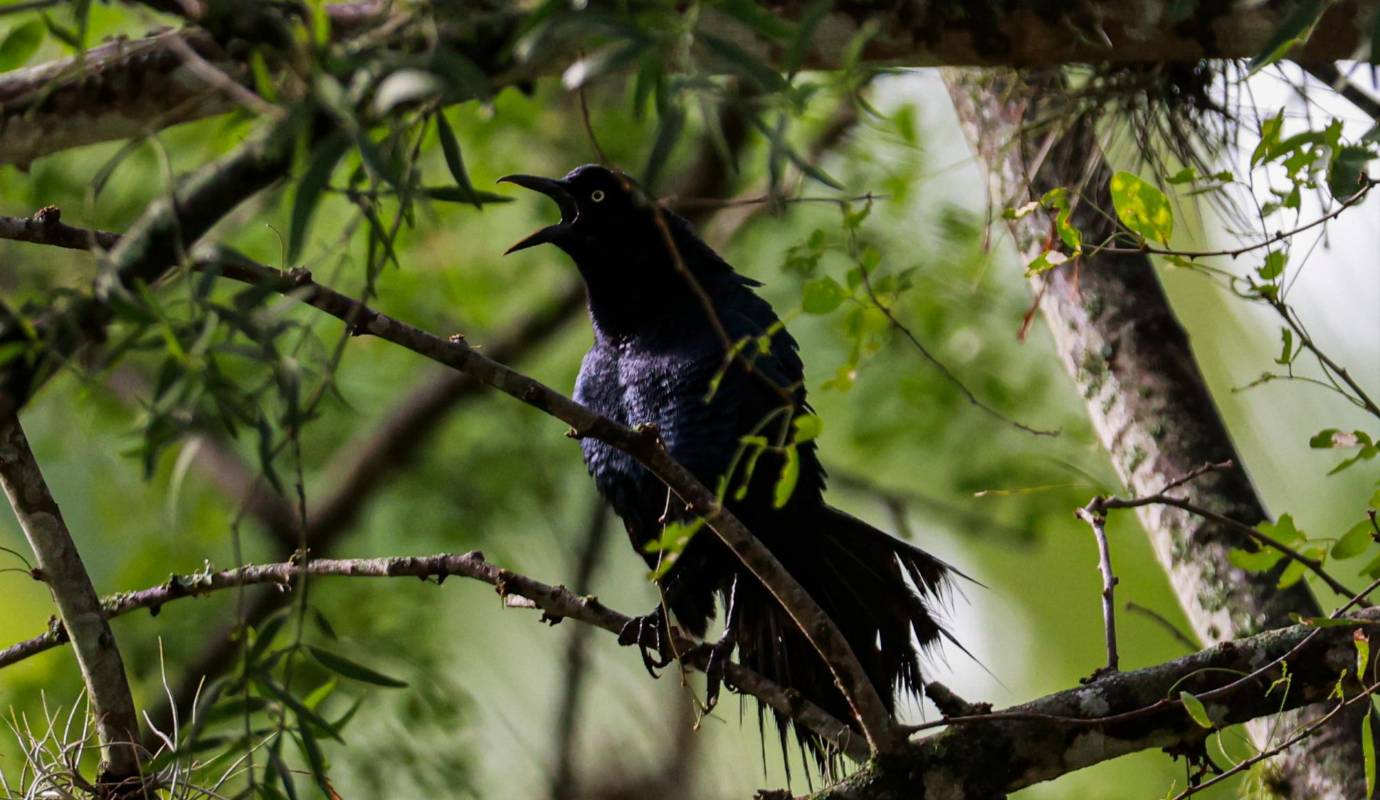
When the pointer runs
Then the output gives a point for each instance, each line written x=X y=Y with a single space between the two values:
x=556 y=603
x=642 y=444
x=994 y=754
x=60 y=566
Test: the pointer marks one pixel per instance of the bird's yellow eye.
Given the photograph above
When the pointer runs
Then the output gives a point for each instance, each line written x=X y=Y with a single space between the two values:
x=597 y=195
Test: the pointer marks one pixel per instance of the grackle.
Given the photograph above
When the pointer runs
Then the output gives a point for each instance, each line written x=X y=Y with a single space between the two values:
x=683 y=343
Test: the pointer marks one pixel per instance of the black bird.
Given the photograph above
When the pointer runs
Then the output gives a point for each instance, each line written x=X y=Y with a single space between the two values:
x=678 y=344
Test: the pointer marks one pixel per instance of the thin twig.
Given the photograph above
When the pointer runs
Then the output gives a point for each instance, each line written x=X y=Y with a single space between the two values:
x=1098 y=522
x=940 y=365
x=1164 y=622
x=1311 y=564
x=557 y=602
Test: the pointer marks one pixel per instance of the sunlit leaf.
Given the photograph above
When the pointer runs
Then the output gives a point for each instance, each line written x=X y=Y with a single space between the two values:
x=790 y=475
x=1142 y=207
x=1196 y=710
x=1354 y=541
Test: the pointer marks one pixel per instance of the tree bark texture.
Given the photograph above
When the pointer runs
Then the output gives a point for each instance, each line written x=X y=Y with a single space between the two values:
x=1150 y=405
x=79 y=607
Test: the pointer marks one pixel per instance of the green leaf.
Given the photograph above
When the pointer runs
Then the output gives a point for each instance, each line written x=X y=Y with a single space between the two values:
x=672 y=542
x=450 y=146
x=1348 y=167
x=790 y=474
x=1353 y=542
x=20 y=44
x=304 y=714
x=1196 y=710
x=1368 y=752
x=822 y=295
x=1294 y=30
x=1142 y=207
x=309 y=190
x=807 y=427
x=1273 y=266
x=1362 y=642
x=1286 y=352
x=744 y=63
x=1045 y=262
x=346 y=668
x=1058 y=199
x=1269 y=138
x=1282 y=530
x=1261 y=560
x=1291 y=575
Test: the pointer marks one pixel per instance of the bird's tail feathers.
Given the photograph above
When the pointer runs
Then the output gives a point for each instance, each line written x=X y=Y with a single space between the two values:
x=882 y=594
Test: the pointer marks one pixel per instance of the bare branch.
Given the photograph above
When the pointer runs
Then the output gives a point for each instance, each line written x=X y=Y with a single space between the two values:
x=1097 y=520
x=61 y=568
x=556 y=603
x=994 y=754
x=642 y=444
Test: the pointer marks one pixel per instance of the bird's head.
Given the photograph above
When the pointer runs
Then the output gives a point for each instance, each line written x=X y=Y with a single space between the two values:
x=599 y=207
x=632 y=254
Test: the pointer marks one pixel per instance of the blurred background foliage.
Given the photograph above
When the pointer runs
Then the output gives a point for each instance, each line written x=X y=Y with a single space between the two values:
x=908 y=452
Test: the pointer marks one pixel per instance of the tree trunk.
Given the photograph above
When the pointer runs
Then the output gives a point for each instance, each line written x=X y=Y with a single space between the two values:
x=1150 y=406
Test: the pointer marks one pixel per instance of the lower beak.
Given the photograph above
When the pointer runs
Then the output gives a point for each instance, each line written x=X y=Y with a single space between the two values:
x=554 y=189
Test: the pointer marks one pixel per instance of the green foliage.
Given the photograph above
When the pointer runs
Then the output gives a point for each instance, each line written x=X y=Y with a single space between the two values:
x=1141 y=207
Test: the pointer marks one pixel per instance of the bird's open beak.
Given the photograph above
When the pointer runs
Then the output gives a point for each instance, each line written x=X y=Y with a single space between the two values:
x=554 y=189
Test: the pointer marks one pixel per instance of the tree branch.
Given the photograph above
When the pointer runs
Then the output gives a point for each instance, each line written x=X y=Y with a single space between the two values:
x=642 y=444
x=61 y=568
x=557 y=602
x=129 y=89
x=991 y=755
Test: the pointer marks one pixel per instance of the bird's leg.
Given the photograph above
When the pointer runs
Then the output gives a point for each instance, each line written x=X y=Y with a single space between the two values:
x=721 y=651
x=649 y=632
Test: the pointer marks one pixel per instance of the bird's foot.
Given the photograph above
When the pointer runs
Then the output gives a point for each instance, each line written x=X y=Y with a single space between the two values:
x=719 y=654
x=650 y=634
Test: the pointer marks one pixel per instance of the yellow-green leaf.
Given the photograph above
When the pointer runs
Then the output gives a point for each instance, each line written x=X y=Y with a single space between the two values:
x=1195 y=709
x=1142 y=207
x=1353 y=542
x=790 y=474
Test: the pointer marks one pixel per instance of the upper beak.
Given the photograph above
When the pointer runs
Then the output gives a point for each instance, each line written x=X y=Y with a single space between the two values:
x=554 y=189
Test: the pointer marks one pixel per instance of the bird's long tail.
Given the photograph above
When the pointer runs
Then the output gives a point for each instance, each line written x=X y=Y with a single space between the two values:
x=881 y=593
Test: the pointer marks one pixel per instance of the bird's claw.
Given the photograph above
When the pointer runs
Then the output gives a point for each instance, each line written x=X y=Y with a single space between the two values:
x=719 y=654
x=649 y=633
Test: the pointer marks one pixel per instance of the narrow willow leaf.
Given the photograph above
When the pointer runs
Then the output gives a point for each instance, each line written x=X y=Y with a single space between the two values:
x=1294 y=29
x=450 y=146
x=350 y=669
x=1368 y=752
x=309 y=190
